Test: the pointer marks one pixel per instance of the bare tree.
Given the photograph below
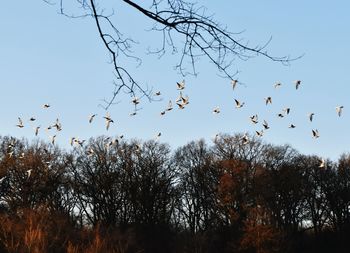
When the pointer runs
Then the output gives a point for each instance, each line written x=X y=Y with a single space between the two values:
x=198 y=181
x=186 y=28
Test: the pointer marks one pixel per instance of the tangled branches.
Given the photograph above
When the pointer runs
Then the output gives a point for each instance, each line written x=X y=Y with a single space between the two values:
x=200 y=33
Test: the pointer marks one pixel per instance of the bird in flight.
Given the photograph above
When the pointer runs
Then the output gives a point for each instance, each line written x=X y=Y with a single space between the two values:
x=215 y=137
x=277 y=85
x=259 y=133
x=322 y=164
x=45 y=106
x=286 y=110
x=79 y=142
x=216 y=110
x=254 y=119
x=292 y=126
x=29 y=173
x=108 y=120
x=53 y=139
x=245 y=139
x=181 y=105
x=91 y=117
x=20 y=123
x=185 y=100
x=234 y=83
x=339 y=110
x=32 y=119
x=297 y=84
x=181 y=85
x=37 y=130
x=170 y=106
x=311 y=116
x=157 y=93
x=57 y=125
x=268 y=100
x=266 y=125
x=158 y=136
x=315 y=133
x=179 y=98
x=135 y=100
x=71 y=141
x=239 y=104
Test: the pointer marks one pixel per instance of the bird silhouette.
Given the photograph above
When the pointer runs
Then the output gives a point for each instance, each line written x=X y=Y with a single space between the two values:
x=135 y=100
x=297 y=84
x=170 y=106
x=179 y=98
x=158 y=136
x=239 y=104
x=286 y=110
x=315 y=133
x=216 y=110
x=277 y=85
x=71 y=141
x=245 y=139
x=266 y=125
x=311 y=116
x=339 y=110
x=185 y=100
x=254 y=119
x=259 y=133
x=268 y=100
x=53 y=139
x=181 y=105
x=108 y=120
x=91 y=117
x=181 y=85
x=37 y=130
x=234 y=83
x=20 y=123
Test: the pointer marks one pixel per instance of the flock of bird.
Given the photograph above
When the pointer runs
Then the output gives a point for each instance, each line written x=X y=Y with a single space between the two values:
x=285 y=111
x=181 y=101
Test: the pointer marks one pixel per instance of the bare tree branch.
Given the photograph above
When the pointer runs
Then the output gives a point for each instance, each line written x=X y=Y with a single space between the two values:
x=202 y=37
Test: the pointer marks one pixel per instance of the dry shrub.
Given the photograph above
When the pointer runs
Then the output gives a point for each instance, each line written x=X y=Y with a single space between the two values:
x=9 y=237
x=34 y=231
x=102 y=240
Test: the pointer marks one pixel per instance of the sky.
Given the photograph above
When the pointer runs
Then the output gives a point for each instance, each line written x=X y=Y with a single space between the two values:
x=48 y=58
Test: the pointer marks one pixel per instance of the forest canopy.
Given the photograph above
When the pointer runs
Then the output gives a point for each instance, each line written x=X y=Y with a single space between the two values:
x=115 y=195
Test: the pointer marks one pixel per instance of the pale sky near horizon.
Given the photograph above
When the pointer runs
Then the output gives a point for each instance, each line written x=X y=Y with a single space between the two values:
x=48 y=58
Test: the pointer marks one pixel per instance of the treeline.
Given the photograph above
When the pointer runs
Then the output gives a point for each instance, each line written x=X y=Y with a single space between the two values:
x=129 y=196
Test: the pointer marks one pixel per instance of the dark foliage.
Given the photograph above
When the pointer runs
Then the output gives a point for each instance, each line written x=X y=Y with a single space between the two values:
x=131 y=196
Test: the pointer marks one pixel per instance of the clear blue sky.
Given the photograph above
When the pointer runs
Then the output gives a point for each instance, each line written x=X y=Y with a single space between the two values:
x=47 y=58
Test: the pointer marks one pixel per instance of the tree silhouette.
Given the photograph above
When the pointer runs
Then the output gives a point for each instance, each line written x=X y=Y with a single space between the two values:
x=109 y=195
x=185 y=28
x=198 y=182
